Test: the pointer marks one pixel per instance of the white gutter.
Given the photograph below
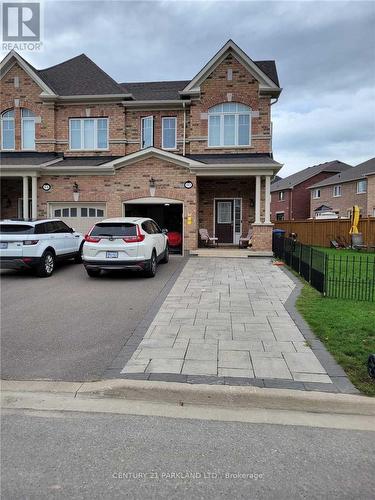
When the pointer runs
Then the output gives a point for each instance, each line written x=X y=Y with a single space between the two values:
x=167 y=103
x=184 y=133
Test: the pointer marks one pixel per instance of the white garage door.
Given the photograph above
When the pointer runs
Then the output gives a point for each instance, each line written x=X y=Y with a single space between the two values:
x=80 y=216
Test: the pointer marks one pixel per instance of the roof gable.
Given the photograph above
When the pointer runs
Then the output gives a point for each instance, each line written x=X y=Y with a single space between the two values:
x=257 y=70
x=303 y=175
x=13 y=58
x=353 y=174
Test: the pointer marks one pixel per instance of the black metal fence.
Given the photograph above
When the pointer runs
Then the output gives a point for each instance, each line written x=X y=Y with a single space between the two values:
x=334 y=275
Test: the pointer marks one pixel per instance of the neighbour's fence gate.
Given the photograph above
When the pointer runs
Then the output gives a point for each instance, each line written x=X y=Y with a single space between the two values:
x=339 y=276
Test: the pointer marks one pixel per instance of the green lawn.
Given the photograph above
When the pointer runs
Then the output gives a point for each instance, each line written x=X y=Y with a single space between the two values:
x=347 y=328
x=351 y=274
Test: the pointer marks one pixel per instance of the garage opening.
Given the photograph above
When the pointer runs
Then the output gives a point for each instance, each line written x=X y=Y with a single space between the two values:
x=168 y=214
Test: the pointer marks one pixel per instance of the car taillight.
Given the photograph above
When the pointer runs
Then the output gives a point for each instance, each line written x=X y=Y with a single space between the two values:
x=31 y=242
x=135 y=239
x=92 y=239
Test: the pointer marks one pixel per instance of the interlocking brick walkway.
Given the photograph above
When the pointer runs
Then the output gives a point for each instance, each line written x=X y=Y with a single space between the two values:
x=226 y=318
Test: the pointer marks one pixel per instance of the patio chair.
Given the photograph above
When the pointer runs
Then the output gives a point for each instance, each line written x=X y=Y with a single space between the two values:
x=245 y=241
x=206 y=239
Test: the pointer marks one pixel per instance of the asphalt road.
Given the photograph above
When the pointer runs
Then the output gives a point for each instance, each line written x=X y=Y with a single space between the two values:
x=70 y=326
x=94 y=456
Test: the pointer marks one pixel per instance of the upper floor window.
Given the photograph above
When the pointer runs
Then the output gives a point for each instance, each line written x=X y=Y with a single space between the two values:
x=281 y=196
x=88 y=133
x=147 y=132
x=7 y=130
x=316 y=194
x=361 y=186
x=280 y=216
x=336 y=191
x=169 y=133
x=229 y=124
x=28 y=129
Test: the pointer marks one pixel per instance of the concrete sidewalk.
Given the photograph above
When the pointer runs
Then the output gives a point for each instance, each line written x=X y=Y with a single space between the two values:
x=225 y=320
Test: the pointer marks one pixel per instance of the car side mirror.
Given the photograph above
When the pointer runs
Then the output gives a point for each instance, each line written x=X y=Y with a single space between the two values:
x=164 y=231
x=72 y=230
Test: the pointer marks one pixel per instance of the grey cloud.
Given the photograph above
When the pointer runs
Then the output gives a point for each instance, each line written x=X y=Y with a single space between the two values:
x=325 y=53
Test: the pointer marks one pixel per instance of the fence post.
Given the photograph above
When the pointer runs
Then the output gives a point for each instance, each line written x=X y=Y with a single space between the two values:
x=325 y=274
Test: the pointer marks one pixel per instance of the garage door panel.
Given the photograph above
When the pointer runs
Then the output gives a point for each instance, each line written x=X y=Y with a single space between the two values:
x=80 y=216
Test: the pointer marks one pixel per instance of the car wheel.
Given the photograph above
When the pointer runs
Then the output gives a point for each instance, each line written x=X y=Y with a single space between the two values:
x=165 y=259
x=46 y=265
x=93 y=273
x=78 y=257
x=151 y=271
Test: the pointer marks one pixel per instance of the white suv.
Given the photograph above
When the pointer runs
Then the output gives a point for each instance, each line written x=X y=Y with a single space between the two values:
x=37 y=244
x=125 y=243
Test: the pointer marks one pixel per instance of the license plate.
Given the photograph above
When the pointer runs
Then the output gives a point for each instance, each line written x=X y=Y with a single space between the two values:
x=112 y=255
x=4 y=244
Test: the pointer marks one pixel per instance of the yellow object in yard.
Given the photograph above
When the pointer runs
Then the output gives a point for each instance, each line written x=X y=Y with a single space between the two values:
x=355 y=220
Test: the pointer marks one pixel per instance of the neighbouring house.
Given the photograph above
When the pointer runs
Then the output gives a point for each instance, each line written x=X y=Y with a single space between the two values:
x=354 y=186
x=290 y=197
x=192 y=154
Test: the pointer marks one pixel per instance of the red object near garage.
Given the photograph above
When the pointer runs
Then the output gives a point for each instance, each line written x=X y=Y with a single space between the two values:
x=174 y=239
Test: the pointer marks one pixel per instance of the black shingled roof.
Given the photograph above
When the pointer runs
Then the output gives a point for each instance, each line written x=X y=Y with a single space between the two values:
x=81 y=76
x=238 y=158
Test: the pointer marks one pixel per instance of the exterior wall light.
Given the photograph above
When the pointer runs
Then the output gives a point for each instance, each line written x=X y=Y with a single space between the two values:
x=152 y=184
x=75 y=192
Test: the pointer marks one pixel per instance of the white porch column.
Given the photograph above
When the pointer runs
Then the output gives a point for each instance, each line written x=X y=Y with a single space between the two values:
x=257 y=199
x=267 y=201
x=25 y=197
x=34 y=197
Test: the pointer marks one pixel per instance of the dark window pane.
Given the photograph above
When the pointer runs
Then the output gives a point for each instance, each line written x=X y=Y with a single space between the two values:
x=40 y=228
x=83 y=212
x=100 y=213
x=92 y=212
x=113 y=229
x=73 y=212
x=65 y=212
x=146 y=226
x=16 y=229
x=58 y=213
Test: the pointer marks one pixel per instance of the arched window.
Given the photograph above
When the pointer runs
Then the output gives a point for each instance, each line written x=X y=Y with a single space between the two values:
x=229 y=124
x=7 y=130
x=28 y=129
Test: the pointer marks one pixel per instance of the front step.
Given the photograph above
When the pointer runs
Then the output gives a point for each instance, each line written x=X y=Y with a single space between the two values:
x=228 y=253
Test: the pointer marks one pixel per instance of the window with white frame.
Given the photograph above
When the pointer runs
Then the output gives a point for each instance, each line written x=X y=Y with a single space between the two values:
x=336 y=191
x=229 y=124
x=316 y=194
x=169 y=132
x=7 y=130
x=281 y=195
x=28 y=129
x=280 y=216
x=78 y=211
x=361 y=186
x=88 y=133
x=147 y=132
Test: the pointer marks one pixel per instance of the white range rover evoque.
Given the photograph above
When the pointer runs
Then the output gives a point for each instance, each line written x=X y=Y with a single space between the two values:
x=132 y=243
x=37 y=244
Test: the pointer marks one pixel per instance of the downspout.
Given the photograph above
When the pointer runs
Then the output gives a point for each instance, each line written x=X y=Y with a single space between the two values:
x=184 y=132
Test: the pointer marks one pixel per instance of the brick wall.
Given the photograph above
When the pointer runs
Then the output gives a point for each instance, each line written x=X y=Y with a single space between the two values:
x=52 y=133
x=262 y=238
x=281 y=206
x=296 y=203
x=208 y=189
x=341 y=204
x=371 y=195
x=243 y=89
x=128 y=183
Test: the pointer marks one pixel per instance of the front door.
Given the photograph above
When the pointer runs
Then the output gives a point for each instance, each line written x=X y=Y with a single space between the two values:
x=224 y=220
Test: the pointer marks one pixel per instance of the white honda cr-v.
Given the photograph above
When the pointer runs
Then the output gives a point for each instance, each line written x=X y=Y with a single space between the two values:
x=130 y=243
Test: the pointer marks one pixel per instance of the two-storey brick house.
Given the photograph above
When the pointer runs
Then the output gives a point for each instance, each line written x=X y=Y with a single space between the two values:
x=339 y=193
x=193 y=154
x=290 y=197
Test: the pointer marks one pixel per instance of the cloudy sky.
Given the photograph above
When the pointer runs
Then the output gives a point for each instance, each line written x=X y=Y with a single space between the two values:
x=325 y=54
